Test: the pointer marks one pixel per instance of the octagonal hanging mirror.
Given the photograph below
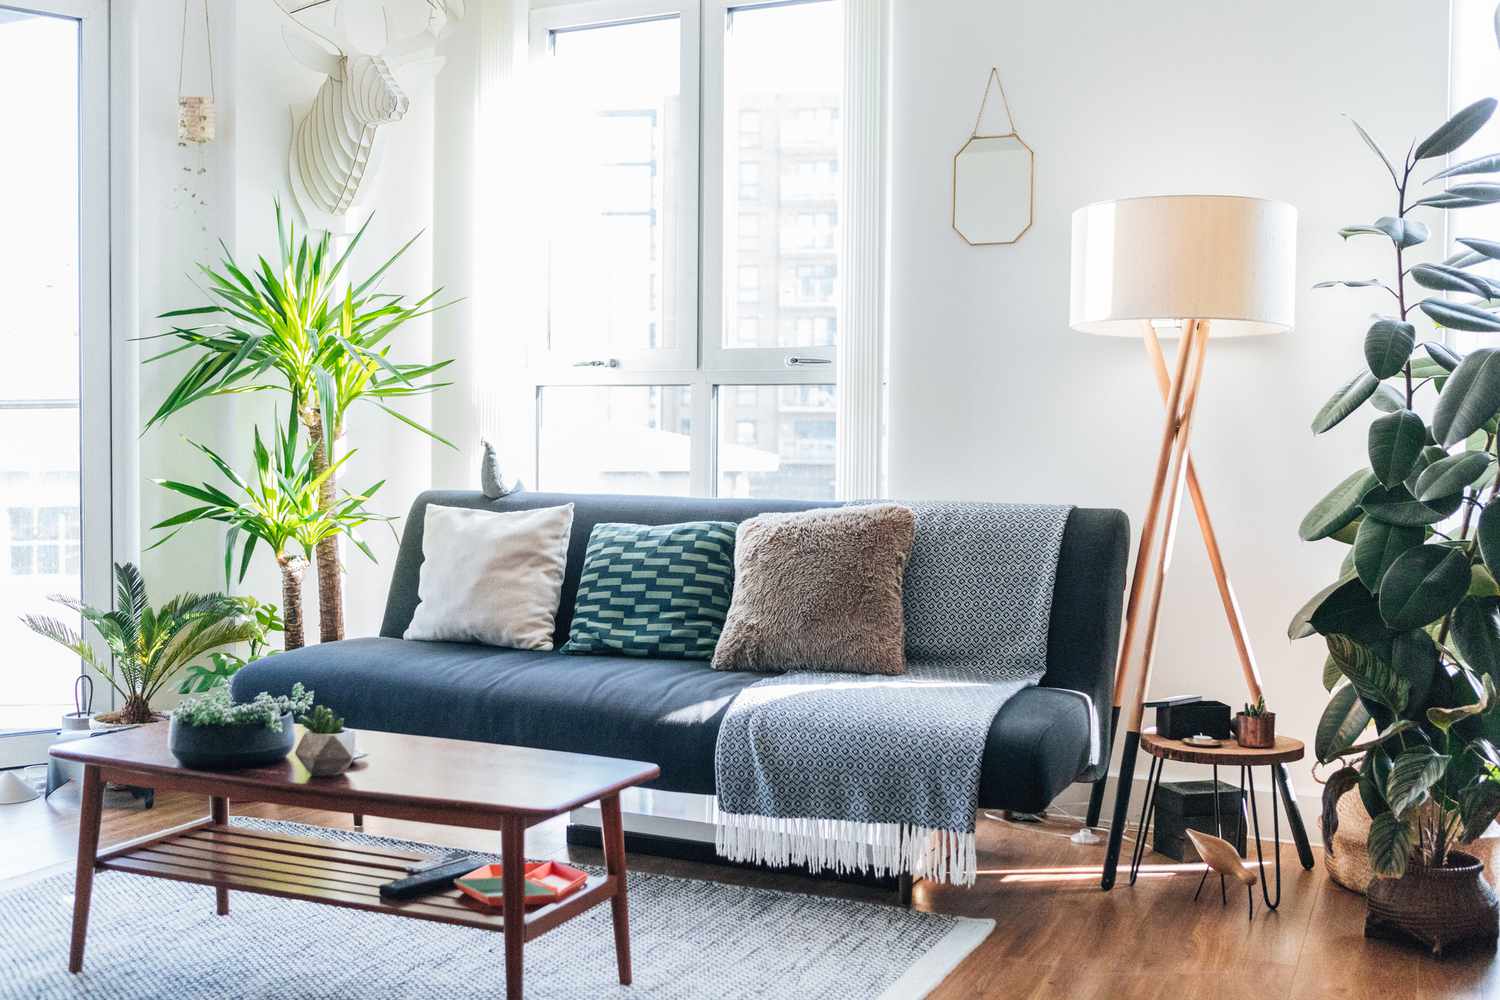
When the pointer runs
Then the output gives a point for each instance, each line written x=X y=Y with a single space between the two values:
x=993 y=176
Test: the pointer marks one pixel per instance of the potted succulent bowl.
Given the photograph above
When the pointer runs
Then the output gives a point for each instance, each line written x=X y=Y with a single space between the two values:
x=214 y=733
x=1254 y=727
x=326 y=747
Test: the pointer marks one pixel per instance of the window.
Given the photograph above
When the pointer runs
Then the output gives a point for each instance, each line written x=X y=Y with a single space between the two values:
x=54 y=507
x=1476 y=70
x=692 y=264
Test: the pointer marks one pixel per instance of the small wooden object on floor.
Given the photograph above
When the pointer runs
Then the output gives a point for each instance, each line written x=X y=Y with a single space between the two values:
x=450 y=782
x=1220 y=856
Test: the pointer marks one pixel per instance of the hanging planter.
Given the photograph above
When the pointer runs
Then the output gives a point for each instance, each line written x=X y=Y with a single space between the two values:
x=196 y=116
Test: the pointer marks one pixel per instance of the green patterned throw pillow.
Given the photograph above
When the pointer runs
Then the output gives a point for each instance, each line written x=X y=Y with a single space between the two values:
x=654 y=590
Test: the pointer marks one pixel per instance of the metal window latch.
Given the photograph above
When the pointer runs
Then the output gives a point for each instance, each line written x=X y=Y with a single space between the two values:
x=796 y=360
x=598 y=363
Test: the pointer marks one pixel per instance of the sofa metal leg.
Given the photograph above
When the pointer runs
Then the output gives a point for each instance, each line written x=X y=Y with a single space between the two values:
x=1096 y=794
x=1122 y=809
x=903 y=889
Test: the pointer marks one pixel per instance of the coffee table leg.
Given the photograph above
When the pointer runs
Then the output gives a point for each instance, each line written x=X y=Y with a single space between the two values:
x=513 y=876
x=88 y=849
x=614 y=864
x=219 y=809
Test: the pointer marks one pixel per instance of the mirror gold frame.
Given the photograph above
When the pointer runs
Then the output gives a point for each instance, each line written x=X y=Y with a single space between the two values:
x=968 y=231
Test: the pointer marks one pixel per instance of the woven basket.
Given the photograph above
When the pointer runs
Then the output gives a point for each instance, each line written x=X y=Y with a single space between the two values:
x=1439 y=907
x=1348 y=862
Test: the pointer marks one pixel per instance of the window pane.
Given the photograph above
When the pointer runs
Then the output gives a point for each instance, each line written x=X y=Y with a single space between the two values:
x=39 y=460
x=776 y=441
x=783 y=77
x=616 y=439
x=610 y=211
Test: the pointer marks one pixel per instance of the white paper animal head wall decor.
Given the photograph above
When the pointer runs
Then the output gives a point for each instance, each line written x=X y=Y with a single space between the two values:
x=334 y=152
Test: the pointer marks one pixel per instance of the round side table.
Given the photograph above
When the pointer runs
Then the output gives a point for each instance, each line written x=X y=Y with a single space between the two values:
x=1230 y=754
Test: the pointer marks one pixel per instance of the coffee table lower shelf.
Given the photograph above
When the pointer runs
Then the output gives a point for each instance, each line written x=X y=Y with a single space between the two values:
x=323 y=871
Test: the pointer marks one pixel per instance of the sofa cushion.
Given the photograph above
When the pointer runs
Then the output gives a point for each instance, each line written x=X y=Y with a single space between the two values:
x=819 y=590
x=665 y=711
x=654 y=590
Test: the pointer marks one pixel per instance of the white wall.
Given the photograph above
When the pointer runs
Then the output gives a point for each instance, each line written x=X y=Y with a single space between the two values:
x=993 y=397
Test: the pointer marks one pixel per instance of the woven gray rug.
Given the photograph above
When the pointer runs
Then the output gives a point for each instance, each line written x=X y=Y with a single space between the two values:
x=150 y=938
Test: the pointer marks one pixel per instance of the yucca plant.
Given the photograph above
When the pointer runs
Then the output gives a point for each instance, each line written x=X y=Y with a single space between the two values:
x=281 y=506
x=290 y=328
x=147 y=645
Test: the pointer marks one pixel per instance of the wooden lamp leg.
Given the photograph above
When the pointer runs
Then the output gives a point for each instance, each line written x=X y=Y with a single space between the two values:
x=1180 y=402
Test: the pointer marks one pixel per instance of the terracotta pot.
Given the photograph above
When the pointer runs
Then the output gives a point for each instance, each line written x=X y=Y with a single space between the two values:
x=1437 y=907
x=326 y=754
x=1255 y=732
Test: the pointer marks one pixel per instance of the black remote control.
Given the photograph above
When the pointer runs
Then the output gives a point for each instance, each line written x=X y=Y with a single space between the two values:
x=430 y=880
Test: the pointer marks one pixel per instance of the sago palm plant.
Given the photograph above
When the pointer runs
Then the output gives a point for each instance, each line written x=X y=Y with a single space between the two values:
x=280 y=505
x=147 y=645
x=289 y=328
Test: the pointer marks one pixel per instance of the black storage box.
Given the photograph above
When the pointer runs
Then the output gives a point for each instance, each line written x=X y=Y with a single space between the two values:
x=1189 y=805
x=1178 y=722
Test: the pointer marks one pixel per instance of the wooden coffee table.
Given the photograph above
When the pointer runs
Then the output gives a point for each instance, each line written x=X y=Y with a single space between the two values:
x=452 y=782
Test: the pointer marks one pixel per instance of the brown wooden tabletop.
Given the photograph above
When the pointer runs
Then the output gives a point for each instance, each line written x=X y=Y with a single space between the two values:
x=1231 y=754
x=400 y=771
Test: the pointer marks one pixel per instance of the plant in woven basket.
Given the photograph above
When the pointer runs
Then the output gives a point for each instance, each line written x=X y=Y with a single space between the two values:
x=281 y=505
x=291 y=328
x=1413 y=621
x=146 y=645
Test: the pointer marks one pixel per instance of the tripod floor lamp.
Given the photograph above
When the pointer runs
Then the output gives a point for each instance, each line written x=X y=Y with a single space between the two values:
x=1183 y=266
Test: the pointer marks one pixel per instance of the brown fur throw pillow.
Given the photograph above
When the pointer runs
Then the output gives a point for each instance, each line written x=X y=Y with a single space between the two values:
x=819 y=590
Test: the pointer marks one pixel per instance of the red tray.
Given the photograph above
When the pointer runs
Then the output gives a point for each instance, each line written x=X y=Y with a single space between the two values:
x=546 y=882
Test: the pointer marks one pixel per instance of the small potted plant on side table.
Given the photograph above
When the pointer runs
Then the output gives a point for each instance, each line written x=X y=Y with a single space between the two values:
x=215 y=733
x=326 y=748
x=1254 y=727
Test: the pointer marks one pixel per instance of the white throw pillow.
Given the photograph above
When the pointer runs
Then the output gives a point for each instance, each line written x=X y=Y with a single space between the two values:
x=493 y=577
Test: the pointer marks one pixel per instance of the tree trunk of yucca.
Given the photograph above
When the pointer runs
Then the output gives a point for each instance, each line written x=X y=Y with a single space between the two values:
x=292 y=568
x=330 y=573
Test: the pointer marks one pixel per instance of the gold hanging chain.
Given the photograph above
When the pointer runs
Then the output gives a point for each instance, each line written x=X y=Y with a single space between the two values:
x=994 y=78
x=208 y=41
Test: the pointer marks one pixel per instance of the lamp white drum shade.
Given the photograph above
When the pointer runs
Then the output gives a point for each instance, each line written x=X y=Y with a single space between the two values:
x=1223 y=258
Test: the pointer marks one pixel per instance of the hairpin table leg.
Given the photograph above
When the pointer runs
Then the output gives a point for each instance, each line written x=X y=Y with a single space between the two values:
x=1276 y=838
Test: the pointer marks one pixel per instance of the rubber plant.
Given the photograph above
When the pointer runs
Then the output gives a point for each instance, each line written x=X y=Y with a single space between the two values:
x=290 y=328
x=146 y=645
x=1412 y=623
x=280 y=505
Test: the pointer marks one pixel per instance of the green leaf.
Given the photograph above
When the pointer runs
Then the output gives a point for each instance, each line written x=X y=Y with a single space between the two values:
x=1353 y=283
x=1331 y=673
x=1349 y=532
x=1344 y=719
x=1339 y=508
x=1456 y=130
x=1460 y=316
x=1390 y=843
x=1402 y=232
x=1397 y=506
x=1395 y=442
x=1388 y=345
x=1476 y=633
x=1471 y=398
x=1487 y=533
x=1343 y=608
x=1450 y=476
x=1386 y=399
x=1446 y=718
x=1442 y=278
x=1431 y=453
x=1485 y=248
x=1378 y=544
x=1422 y=585
x=1375 y=148
x=1481 y=583
x=1461 y=196
x=1413 y=773
x=1479 y=165
x=1478 y=805
x=1414 y=658
x=1376 y=681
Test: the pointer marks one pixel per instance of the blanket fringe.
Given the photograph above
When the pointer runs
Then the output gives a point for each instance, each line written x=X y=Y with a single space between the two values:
x=847 y=846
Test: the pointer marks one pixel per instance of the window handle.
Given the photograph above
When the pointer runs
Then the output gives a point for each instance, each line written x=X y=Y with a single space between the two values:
x=598 y=363
x=797 y=360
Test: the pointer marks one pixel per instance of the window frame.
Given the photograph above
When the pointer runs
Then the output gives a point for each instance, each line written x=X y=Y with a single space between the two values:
x=706 y=367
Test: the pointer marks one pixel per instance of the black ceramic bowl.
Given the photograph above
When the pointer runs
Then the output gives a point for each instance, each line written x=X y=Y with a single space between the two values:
x=228 y=748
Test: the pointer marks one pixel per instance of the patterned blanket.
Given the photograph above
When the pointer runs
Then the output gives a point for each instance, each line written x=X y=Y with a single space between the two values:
x=881 y=774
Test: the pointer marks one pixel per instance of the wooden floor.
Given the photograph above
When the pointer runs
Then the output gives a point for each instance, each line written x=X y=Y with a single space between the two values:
x=1057 y=934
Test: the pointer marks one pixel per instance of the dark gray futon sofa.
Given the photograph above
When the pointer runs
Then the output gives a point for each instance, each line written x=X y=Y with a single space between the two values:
x=669 y=711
